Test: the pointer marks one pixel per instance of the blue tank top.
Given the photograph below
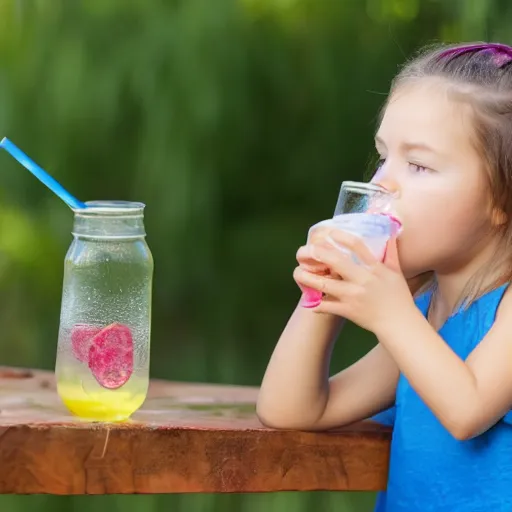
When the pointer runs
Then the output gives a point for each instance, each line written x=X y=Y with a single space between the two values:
x=429 y=469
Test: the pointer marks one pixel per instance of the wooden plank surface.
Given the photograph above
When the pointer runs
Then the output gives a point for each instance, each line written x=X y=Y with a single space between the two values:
x=186 y=438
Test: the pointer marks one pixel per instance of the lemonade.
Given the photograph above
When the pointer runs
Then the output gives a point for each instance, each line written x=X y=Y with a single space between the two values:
x=101 y=405
x=100 y=395
x=102 y=366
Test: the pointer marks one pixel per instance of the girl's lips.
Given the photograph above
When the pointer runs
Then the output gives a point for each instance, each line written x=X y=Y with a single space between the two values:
x=396 y=221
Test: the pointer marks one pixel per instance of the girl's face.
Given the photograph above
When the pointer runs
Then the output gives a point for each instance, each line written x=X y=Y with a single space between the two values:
x=427 y=156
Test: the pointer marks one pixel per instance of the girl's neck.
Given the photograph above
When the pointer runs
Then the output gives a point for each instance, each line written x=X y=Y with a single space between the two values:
x=451 y=288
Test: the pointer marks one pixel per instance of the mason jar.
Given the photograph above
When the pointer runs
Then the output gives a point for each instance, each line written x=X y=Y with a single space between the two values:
x=102 y=364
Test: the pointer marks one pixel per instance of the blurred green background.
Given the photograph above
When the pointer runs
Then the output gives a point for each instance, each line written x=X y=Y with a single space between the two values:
x=235 y=121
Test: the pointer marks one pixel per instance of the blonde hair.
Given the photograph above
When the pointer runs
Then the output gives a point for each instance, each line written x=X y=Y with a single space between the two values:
x=479 y=74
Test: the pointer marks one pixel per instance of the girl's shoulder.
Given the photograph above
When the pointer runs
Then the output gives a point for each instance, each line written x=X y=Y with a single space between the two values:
x=471 y=324
x=504 y=306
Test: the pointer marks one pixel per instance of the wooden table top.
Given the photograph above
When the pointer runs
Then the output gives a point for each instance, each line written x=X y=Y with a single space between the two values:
x=186 y=438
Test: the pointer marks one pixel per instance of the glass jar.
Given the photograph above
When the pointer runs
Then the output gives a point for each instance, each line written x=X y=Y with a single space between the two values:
x=102 y=365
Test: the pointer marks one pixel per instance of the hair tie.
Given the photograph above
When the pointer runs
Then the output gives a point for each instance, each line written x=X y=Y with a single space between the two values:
x=502 y=53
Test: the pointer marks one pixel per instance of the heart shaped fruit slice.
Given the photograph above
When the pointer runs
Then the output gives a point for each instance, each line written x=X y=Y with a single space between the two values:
x=111 y=356
x=81 y=336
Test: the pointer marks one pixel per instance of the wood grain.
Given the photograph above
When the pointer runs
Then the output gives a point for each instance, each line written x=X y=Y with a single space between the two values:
x=186 y=438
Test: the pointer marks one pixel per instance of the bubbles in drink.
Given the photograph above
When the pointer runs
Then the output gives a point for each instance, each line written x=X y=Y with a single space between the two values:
x=111 y=383
x=102 y=364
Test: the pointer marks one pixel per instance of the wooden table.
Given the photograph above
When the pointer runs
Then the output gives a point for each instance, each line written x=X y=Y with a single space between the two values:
x=187 y=438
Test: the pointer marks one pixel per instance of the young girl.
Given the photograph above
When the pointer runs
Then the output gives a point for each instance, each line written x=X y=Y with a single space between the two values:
x=441 y=373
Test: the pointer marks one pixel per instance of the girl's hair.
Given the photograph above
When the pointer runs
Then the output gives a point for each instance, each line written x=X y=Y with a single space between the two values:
x=479 y=74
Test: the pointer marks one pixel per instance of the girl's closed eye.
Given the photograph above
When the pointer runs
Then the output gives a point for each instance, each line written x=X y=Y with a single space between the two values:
x=417 y=168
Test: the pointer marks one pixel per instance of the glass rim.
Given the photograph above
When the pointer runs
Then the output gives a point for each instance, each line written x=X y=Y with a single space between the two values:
x=114 y=207
x=359 y=186
x=362 y=218
x=358 y=224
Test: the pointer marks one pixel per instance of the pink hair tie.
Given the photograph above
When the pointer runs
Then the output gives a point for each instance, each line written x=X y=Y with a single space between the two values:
x=502 y=53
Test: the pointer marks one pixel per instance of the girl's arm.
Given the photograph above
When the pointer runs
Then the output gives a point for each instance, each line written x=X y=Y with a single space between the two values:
x=296 y=392
x=468 y=396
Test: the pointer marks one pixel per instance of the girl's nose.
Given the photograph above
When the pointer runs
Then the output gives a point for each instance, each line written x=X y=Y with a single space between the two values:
x=384 y=179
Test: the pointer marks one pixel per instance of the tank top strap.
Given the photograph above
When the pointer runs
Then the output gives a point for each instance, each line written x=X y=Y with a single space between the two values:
x=423 y=301
x=488 y=302
x=492 y=299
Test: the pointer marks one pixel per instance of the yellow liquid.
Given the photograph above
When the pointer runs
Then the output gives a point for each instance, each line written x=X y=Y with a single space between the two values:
x=102 y=405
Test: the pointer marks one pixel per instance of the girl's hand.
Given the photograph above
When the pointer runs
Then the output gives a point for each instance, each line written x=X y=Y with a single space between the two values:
x=372 y=294
x=306 y=259
x=308 y=263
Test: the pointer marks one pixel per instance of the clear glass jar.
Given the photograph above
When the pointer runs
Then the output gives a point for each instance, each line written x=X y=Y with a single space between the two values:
x=102 y=365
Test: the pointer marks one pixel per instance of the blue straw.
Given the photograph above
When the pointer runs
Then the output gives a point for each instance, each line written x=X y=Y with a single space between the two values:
x=41 y=174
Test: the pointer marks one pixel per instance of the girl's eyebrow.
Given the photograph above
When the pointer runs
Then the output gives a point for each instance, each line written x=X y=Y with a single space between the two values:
x=408 y=145
x=418 y=145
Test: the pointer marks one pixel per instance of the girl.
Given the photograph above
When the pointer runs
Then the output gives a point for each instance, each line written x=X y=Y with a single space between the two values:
x=441 y=373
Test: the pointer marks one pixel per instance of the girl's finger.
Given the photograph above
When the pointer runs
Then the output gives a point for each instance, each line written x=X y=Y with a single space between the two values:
x=332 y=306
x=335 y=288
x=346 y=241
x=341 y=264
x=306 y=260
